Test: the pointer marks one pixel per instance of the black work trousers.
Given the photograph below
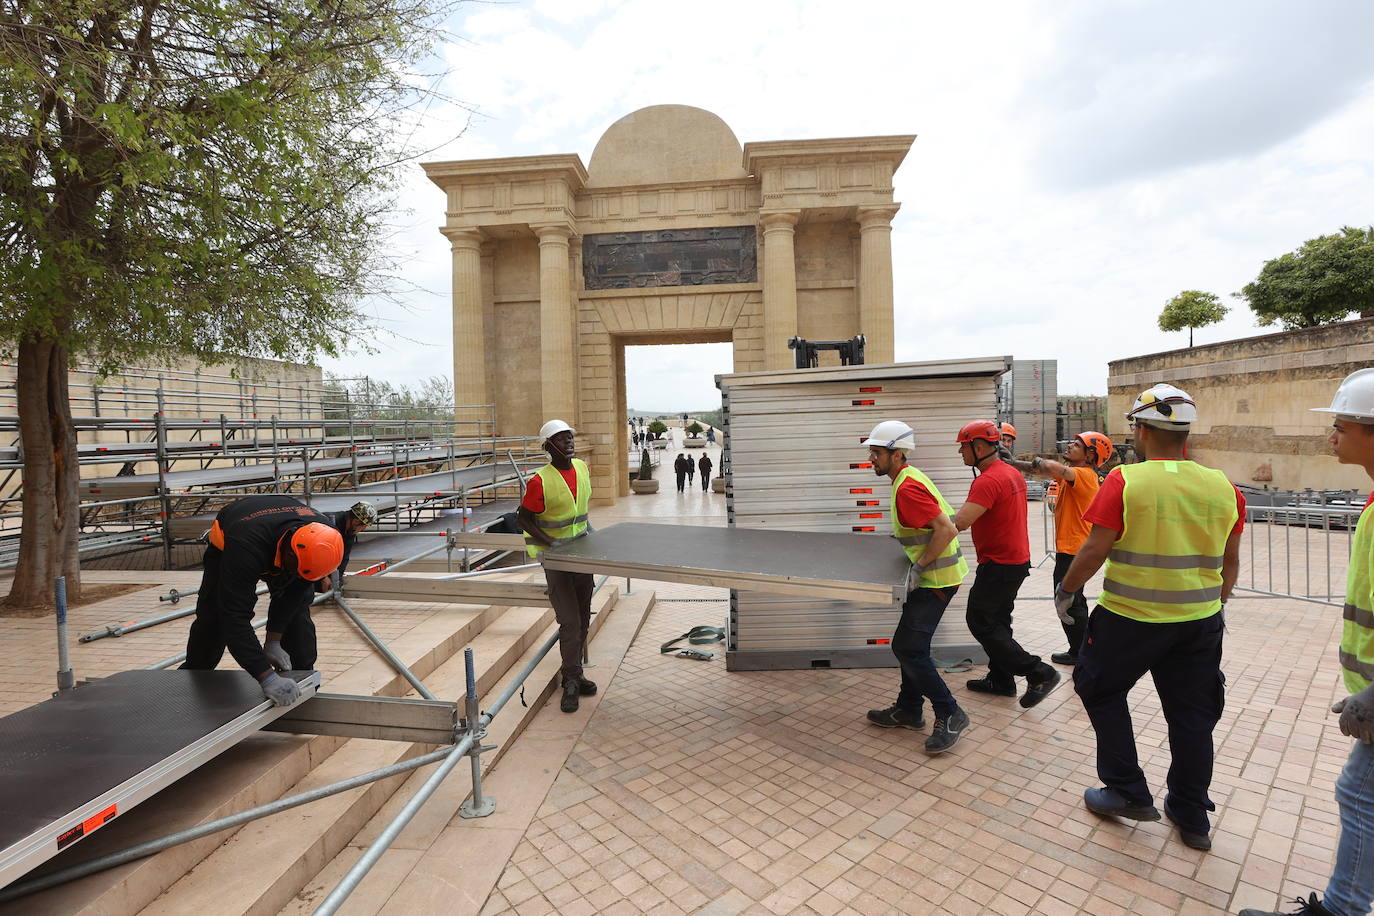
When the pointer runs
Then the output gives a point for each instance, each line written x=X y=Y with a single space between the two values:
x=1074 y=632
x=921 y=613
x=990 y=603
x=570 y=593
x=705 y=480
x=1184 y=659
x=206 y=641
x=681 y=480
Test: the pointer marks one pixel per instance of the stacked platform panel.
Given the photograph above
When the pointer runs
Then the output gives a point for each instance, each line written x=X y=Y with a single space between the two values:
x=795 y=463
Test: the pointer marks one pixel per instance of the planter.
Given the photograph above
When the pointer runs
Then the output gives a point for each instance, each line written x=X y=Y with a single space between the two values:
x=698 y=442
x=718 y=485
x=644 y=486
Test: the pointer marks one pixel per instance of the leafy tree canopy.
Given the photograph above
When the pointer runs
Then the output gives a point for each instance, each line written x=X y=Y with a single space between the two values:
x=695 y=429
x=1325 y=280
x=1191 y=309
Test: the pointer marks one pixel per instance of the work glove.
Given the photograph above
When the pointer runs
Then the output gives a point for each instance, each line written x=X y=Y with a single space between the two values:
x=1005 y=453
x=282 y=691
x=1357 y=715
x=1063 y=604
x=277 y=655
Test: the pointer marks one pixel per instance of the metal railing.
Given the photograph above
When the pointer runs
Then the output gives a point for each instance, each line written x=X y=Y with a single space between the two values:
x=1300 y=551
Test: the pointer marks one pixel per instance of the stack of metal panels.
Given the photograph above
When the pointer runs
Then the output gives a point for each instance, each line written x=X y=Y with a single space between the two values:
x=1030 y=403
x=1080 y=414
x=795 y=463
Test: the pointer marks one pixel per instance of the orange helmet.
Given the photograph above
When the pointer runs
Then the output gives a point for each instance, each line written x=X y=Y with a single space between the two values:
x=979 y=429
x=1097 y=445
x=318 y=549
x=1008 y=430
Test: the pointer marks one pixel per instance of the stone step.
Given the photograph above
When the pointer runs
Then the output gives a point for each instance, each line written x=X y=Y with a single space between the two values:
x=258 y=770
x=269 y=861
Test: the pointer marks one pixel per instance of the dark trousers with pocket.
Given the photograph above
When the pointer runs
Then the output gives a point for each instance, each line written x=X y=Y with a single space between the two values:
x=990 y=603
x=921 y=613
x=681 y=480
x=1184 y=659
x=570 y=593
x=1074 y=632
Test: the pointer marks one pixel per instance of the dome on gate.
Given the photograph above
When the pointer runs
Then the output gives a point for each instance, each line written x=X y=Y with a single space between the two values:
x=666 y=143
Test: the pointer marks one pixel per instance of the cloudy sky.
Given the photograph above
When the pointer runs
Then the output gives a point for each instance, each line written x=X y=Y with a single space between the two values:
x=1078 y=162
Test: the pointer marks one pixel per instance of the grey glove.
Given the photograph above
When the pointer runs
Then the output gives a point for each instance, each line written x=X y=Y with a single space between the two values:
x=282 y=691
x=1063 y=603
x=1005 y=453
x=277 y=655
x=1357 y=715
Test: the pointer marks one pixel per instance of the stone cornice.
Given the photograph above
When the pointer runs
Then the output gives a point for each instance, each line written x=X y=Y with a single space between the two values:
x=567 y=166
x=781 y=152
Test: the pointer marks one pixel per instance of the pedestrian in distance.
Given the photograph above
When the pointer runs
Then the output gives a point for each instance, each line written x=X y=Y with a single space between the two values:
x=1169 y=531
x=704 y=465
x=286 y=544
x=1077 y=484
x=691 y=469
x=996 y=511
x=921 y=524
x=680 y=469
x=552 y=510
x=1350 y=889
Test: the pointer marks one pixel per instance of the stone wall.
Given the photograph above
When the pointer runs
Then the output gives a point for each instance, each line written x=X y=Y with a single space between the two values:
x=1254 y=397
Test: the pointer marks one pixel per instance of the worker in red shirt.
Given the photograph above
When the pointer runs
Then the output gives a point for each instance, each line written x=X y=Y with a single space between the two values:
x=996 y=511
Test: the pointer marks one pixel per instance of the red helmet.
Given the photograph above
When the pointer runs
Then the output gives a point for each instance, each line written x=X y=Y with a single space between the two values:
x=1008 y=430
x=979 y=429
x=1097 y=445
x=318 y=549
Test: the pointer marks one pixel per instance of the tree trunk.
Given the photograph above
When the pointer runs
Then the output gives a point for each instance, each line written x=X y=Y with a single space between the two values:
x=51 y=505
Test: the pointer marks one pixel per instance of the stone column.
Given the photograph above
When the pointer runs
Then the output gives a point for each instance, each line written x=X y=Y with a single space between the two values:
x=557 y=351
x=875 y=282
x=779 y=287
x=469 y=332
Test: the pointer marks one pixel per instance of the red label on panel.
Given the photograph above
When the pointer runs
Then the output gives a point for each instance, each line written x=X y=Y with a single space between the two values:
x=870 y=515
x=86 y=827
x=870 y=390
x=864 y=403
x=860 y=489
x=862 y=528
x=865 y=502
x=854 y=466
x=878 y=642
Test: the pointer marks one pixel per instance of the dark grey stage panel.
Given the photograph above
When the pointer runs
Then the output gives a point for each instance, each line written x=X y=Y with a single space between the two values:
x=855 y=567
x=70 y=764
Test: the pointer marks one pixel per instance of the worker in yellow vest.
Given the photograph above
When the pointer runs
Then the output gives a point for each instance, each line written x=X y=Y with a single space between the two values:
x=1350 y=888
x=554 y=508
x=921 y=524
x=1169 y=531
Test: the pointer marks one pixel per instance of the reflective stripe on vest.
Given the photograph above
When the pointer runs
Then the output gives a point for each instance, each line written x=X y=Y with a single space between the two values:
x=949 y=568
x=1357 y=631
x=1166 y=566
x=564 y=517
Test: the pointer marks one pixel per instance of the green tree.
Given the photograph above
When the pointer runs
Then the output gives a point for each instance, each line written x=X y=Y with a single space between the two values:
x=1326 y=279
x=185 y=177
x=646 y=470
x=658 y=428
x=696 y=429
x=1191 y=309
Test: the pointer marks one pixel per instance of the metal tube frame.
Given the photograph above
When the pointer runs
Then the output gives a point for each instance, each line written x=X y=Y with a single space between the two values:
x=382 y=647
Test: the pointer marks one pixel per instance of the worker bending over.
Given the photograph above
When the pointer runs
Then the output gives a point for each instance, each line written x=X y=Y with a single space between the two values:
x=554 y=508
x=921 y=524
x=996 y=511
x=349 y=523
x=1077 y=485
x=280 y=541
x=1169 y=531
x=1350 y=888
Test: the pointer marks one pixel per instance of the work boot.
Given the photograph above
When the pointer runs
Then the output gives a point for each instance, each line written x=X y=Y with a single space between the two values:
x=1064 y=658
x=995 y=687
x=1309 y=907
x=947 y=732
x=1193 y=839
x=585 y=687
x=1111 y=803
x=897 y=717
x=1039 y=683
x=570 y=691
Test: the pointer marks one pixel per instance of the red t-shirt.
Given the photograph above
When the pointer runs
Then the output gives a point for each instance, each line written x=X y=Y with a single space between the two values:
x=999 y=534
x=916 y=505
x=534 y=490
x=1109 y=511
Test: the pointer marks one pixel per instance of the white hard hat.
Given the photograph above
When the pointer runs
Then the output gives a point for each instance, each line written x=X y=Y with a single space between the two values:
x=893 y=434
x=1164 y=407
x=553 y=428
x=1354 y=400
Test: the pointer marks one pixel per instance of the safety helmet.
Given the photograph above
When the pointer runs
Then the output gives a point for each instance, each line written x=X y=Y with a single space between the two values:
x=318 y=549
x=553 y=428
x=1008 y=430
x=364 y=512
x=1354 y=399
x=1097 y=445
x=980 y=429
x=892 y=434
x=1164 y=407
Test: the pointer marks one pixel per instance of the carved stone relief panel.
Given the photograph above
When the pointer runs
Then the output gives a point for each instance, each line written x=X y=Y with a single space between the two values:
x=669 y=257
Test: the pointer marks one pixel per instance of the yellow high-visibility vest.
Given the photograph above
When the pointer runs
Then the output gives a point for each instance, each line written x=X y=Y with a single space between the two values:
x=1166 y=566
x=1357 y=634
x=564 y=517
x=949 y=567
